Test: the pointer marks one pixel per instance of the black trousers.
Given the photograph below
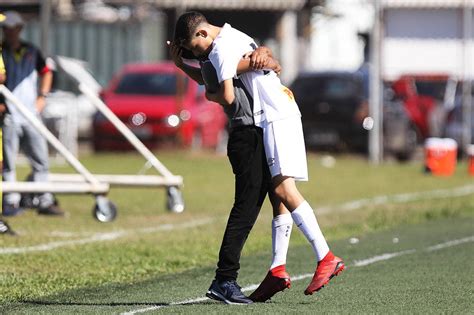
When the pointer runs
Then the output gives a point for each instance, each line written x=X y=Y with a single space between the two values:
x=252 y=180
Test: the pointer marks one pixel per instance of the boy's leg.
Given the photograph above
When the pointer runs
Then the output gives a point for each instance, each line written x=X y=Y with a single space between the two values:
x=305 y=219
x=282 y=225
x=245 y=151
x=284 y=141
x=277 y=278
x=302 y=214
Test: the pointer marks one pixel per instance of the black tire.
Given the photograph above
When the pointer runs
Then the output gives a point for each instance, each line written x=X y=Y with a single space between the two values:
x=105 y=210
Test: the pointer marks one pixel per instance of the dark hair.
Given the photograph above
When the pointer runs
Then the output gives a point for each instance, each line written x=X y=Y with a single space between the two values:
x=186 y=25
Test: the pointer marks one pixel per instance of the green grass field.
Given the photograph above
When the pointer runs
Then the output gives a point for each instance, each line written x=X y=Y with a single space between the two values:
x=149 y=258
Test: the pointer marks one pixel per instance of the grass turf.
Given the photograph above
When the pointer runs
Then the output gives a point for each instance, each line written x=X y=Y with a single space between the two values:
x=421 y=282
x=137 y=256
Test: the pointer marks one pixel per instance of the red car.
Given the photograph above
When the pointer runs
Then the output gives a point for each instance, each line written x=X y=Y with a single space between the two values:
x=161 y=105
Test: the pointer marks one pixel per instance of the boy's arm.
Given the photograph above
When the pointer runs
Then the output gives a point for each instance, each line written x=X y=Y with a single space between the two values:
x=259 y=59
x=193 y=72
x=225 y=96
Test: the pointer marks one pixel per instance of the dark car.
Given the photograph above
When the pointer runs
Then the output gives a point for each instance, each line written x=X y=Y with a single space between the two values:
x=332 y=105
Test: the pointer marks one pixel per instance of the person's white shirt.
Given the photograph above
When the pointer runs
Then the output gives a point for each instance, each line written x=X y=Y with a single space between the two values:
x=271 y=100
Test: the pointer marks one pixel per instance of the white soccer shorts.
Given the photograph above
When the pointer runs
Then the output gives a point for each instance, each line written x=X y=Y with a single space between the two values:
x=285 y=148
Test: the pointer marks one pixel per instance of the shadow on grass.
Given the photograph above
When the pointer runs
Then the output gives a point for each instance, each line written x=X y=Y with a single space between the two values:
x=151 y=304
x=158 y=292
x=40 y=302
x=161 y=292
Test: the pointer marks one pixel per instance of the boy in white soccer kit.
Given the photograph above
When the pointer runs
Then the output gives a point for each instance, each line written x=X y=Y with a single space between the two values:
x=276 y=112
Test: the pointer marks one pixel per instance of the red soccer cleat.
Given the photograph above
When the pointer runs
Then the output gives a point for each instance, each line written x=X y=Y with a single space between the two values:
x=275 y=281
x=327 y=268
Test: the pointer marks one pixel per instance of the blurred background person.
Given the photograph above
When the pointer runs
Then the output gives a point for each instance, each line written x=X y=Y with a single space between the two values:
x=4 y=227
x=29 y=79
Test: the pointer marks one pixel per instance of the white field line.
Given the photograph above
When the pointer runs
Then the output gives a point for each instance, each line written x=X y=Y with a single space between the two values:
x=348 y=206
x=450 y=243
x=371 y=260
x=400 y=198
x=102 y=237
x=358 y=263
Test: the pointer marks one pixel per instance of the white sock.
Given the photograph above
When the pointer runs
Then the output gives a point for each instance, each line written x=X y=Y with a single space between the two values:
x=306 y=221
x=281 y=232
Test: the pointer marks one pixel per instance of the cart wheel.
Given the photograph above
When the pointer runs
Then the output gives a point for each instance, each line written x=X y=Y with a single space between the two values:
x=104 y=209
x=174 y=202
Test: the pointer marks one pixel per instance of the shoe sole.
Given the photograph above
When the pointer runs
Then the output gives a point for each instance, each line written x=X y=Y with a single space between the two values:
x=220 y=298
x=339 y=268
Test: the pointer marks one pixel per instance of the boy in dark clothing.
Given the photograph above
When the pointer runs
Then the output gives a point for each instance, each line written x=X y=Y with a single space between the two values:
x=252 y=177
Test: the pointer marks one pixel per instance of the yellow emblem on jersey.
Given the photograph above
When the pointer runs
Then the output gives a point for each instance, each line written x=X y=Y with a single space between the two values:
x=2 y=17
x=288 y=92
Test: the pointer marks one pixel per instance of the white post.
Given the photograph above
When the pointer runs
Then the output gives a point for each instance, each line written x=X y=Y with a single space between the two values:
x=289 y=45
x=375 y=89
x=45 y=18
x=467 y=82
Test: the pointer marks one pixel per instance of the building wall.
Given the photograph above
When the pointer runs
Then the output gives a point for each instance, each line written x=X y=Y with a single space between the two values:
x=424 y=41
x=105 y=47
x=416 y=40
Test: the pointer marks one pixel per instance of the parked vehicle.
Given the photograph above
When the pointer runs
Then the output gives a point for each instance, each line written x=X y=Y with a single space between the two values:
x=161 y=106
x=334 y=105
x=330 y=103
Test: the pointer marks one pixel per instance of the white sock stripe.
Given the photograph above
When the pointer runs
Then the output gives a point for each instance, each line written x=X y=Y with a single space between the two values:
x=283 y=224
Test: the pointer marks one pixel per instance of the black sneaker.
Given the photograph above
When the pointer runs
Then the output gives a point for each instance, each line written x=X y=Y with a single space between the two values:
x=51 y=210
x=5 y=228
x=227 y=291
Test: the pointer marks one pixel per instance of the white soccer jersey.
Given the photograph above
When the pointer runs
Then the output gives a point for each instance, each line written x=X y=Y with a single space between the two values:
x=272 y=100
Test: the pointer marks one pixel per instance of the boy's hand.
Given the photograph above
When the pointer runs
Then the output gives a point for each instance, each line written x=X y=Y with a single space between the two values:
x=261 y=58
x=276 y=67
x=263 y=61
x=258 y=58
x=176 y=53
